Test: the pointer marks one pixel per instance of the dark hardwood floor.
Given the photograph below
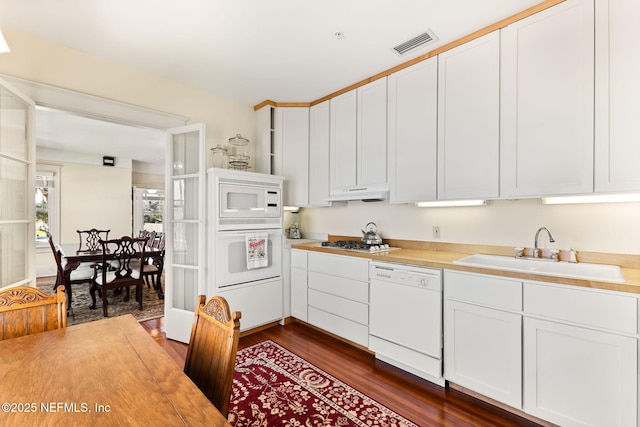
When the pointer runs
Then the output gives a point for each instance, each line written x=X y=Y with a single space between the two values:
x=414 y=398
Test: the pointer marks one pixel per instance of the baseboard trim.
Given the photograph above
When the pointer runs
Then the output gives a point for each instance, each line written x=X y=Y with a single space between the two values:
x=500 y=405
x=258 y=328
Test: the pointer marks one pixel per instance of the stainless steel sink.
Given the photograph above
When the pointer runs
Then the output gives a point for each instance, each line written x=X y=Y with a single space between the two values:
x=585 y=271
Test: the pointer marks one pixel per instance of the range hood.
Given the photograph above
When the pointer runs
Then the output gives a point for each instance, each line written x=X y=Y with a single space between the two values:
x=366 y=193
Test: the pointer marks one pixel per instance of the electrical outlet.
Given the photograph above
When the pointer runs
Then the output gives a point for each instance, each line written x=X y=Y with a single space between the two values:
x=436 y=231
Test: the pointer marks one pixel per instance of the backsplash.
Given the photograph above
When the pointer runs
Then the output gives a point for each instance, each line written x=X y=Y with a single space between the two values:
x=606 y=227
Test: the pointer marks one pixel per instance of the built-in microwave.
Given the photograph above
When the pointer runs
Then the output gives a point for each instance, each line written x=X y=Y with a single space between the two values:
x=247 y=200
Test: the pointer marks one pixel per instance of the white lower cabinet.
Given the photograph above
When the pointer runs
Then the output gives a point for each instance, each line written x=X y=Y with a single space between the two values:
x=338 y=295
x=578 y=376
x=580 y=362
x=299 y=284
x=483 y=335
x=564 y=354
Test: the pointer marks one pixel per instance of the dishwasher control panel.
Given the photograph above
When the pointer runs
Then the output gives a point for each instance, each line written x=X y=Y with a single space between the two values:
x=428 y=278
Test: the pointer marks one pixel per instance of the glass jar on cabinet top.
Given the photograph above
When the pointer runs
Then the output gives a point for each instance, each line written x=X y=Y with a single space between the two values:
x=220 y=157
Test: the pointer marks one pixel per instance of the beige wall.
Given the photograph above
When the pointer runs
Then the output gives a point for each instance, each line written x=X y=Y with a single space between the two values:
x=94 y=197
x=606 y=227
x=38 y=60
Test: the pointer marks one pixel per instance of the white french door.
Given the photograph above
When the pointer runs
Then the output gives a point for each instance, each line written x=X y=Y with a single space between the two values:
x=185 y=234
x=17 y=181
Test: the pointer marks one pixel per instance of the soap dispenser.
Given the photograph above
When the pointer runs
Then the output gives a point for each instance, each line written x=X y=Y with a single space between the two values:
x=573 y=256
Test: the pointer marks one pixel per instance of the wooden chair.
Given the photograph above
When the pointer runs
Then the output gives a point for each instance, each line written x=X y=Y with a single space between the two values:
x=155 y=265
x=80 y=275
x=123 y=269
x=211 y=355
x=24 y=310
x=90 y=239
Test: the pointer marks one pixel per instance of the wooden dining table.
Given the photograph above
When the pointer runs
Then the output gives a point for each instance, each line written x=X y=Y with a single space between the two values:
x=74 y=257
x=102 y=373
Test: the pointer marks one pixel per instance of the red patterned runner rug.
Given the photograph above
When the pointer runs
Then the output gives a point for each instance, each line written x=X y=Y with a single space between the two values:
x=274 y=387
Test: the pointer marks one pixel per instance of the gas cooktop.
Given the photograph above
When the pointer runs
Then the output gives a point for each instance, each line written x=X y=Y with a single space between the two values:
x=356 y=246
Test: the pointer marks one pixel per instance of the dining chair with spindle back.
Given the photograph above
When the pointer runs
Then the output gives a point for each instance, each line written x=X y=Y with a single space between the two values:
x=154 y=265
x=120 y=268
x=24 y=310
x=90 y=239
x=73 y=277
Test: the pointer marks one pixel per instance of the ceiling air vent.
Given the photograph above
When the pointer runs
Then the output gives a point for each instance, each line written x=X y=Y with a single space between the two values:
x=415 y=42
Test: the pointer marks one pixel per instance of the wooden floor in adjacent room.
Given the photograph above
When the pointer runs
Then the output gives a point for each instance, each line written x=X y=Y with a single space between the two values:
x=415 y=399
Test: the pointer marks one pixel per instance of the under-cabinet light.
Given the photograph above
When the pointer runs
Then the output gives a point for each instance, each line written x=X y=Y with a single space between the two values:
x=595 y=198
x=291 y=208
x=451 y=203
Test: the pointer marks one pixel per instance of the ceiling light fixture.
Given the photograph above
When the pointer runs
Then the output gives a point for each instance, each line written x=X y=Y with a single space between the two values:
x=4 y=47
x=339 y=35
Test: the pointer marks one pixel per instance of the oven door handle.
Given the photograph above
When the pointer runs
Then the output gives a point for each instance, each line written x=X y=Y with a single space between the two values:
x=244 y=234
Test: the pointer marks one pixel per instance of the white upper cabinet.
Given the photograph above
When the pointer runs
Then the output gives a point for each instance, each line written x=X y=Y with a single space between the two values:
x=547 y=102
x=372 y=133
x=358 y=139
x=412 y=132
x=617 y=96
x=342 y=145
x=319 y=154
x=291 y=135
x=469 y=120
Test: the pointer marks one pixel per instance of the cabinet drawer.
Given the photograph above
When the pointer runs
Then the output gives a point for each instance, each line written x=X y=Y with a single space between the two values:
x=485 y=290
x=337 y=325
x=339 y=286
x=348 y=309
x=582 y=306
x=299 y=258
x=340 y=265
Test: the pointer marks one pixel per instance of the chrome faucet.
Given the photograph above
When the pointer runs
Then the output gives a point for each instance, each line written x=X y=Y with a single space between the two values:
x=536 y=251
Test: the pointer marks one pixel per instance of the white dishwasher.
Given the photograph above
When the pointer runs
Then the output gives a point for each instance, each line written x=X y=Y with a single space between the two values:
x=405 y=318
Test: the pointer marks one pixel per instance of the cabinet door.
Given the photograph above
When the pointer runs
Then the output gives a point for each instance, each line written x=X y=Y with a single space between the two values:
x=264 y=140
x=372 y=133
x=578 y=376
x=469 y=120
x=483 y=351
x=319 y=154
x=617 y=95
x=292 y=141
x=412 y=132
x=342 y=141
x=547 y=102
x=299 y=293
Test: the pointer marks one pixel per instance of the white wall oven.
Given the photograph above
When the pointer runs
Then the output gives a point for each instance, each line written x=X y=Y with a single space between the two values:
x=245 y=243
x=233 y=252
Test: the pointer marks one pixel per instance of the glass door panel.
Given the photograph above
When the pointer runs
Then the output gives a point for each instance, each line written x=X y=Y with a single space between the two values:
x=17 y=177
x=14 y=178
x=184 y=222
x=186 y=202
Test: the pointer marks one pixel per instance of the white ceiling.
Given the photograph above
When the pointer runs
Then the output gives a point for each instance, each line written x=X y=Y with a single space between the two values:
x=62 y=131
x=253 y=50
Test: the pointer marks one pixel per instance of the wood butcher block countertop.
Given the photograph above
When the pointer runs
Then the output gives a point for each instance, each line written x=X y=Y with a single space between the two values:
x=442 y=255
